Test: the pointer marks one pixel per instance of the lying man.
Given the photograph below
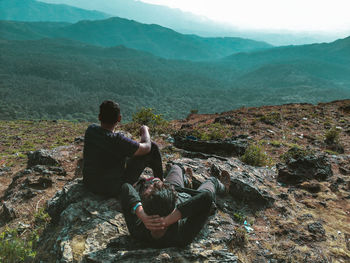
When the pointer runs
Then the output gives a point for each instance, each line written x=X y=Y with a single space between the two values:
x=162 y=217
x=111 y=159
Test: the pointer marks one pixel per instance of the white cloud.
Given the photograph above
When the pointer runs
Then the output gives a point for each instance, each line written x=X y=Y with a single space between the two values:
x=294 y=15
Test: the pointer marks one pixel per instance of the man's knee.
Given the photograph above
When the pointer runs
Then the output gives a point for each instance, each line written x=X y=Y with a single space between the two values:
x=175 y=170
x=154 y=147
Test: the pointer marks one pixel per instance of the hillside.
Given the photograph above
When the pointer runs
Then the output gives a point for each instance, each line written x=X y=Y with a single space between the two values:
x=304 y=221
x=69 y=77
x=158 y=40
x=31 y=10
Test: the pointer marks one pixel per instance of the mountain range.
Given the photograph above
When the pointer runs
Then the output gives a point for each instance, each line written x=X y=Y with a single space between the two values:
x=189 y=23
x=115 y=31
x=70 y=78
x=71 y=67
x=30 y=10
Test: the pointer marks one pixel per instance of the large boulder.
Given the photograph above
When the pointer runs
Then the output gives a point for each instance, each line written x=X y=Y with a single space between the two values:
x=229 y=147
x=41 y=157
x=304 y=168
x=89 y=228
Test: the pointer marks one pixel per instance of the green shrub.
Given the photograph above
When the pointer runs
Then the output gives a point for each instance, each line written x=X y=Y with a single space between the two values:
x=194 y=111
x=295 y=152
x=255 y=155
x=239 y=217
x=271 y=118
x=214 y=131
x=332 y=136
x=146 y=116
x=14 y=249
x=239 y=238
x=41 y=218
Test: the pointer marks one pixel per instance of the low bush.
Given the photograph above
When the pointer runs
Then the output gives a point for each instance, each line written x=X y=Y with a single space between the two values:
x=295 y=152
x=14 y=249
x=146 y=116
x=255 y=155
x=332 y=136
x=271 y=118
x=215 y=131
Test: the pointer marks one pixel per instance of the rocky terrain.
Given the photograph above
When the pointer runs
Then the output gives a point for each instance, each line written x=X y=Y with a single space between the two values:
x=292 y=205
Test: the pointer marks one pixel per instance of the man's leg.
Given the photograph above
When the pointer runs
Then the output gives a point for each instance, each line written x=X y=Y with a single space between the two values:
x=212 y=185
x=136 y=165
x=175 y=176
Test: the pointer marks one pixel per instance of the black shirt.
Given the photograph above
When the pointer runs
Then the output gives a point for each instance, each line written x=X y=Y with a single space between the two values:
x=104 y=155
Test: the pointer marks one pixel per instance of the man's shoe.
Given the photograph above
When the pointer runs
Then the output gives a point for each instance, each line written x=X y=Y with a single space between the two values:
x=225 y=179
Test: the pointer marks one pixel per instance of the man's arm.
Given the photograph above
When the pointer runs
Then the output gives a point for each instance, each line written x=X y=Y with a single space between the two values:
x=145 y=143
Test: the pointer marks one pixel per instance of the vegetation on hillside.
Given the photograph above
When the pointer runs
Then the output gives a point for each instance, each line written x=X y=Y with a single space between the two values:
x=70 y=80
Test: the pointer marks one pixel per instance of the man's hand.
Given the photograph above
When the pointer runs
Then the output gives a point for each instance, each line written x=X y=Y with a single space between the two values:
x=153 y=222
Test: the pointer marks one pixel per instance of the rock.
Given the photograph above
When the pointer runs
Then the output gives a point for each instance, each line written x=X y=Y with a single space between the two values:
x=317 y=231
x=304 y=168
x=28 y=183
x=228 y=120
x=245 y=192
x=229 y=147
x=7 y=213
x=283 y=196
x=344 y=170
x=89 y=228
x=49 y=170
x=312 y=187
x=41 y=157
x=5 y=170
x=79 y=139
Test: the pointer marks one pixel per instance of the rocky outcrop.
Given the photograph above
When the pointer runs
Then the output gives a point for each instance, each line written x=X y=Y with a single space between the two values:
x=7 y=213
x=304 y=168
x=41 y=157
x=32 y=181
x=89 y=228
x=229 y=147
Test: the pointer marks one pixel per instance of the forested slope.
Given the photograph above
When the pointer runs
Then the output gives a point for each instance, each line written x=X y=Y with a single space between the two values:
x=57 y=78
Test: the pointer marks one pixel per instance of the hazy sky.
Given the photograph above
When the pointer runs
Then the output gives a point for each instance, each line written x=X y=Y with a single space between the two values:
x=296 y=15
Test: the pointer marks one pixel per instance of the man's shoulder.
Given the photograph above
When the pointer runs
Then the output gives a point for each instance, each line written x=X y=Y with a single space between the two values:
x=93 y=126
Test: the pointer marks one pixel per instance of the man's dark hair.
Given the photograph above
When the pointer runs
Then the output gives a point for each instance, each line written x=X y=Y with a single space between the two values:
x=109 y=112
x=159 y=199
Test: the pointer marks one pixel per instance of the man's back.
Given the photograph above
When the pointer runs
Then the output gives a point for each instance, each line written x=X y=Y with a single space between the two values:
x=104 y=155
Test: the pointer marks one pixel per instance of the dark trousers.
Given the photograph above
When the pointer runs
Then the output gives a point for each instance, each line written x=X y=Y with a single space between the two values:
x=136 y=165
x=176 y=178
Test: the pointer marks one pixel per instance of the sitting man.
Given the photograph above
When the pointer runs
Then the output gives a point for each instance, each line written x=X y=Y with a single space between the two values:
x=111 y=159
x=163 y=217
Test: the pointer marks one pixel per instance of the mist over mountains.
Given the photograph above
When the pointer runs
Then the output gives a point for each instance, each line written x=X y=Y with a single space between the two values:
x=70 y=67
x=188 y=23
x=158 y=40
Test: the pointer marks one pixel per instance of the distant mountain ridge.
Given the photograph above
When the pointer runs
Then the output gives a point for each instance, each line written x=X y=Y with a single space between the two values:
x=155 y=39
x=31 y=10
x=68 y=77
x=189 y=23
